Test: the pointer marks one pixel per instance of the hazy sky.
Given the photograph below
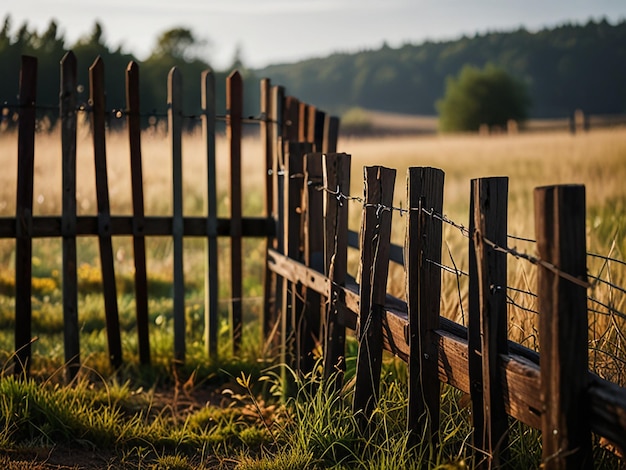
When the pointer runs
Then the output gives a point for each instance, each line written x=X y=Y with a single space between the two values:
x=274 y=31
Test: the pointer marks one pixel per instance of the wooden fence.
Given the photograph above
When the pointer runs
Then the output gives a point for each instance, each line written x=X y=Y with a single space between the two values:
x=309 y=296
x=308 y=123
x=562 y=397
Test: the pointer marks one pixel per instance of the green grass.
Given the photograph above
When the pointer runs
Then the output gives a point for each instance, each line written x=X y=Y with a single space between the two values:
x=229 y=413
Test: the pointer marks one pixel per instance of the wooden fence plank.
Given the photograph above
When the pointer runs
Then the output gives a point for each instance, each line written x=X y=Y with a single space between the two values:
x=336 y=172
x=303 y=122
x=313 y=232
x=68 y=227
x=272 y=318
x=139 y=240
x=234 y=110
x=96 y=96
x=175 y=125
x=317 y=120
x=23 y=214
x=51 y=226
x=331 y=134
x=291 y=121
x=562 y=305
x=266 y=127
x=487 y=332
x=211 y=312
x=375 y=241
x=423 y=290
x=292 y=308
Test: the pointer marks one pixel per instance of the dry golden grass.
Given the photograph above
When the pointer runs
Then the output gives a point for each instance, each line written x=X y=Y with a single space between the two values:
x=596 y=159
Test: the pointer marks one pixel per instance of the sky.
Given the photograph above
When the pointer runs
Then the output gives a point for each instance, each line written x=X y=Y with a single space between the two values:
x=282 y=31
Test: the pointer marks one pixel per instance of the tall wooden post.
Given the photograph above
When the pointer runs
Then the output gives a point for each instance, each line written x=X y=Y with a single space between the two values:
x=336 y=170
x=97 y=98
x=24 y=214
x=422 y=258
x=375 y=244
x=139 y=240
x=234 y=110
x=68 y=217
x=562 y=305
x=487 y=332
x=211 y=320
x=175 y=124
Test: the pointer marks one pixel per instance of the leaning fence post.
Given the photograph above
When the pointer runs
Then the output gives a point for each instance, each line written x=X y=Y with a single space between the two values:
x=292 y=304
x=336 y=184
x=375 y=245
x=331 y=134
x=68 y=218
x=211 y=314
x=97 y=99
x=266 y=127
x=139 y=241
x=487 y=328
x=273 y=307
x=175 y=118
x=234 y=110
x=563 y=337
x=313 y=232
x=422 y=263
x=24 y=213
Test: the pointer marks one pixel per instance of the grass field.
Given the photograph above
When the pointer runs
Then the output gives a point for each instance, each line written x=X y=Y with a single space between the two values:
x=224 y=414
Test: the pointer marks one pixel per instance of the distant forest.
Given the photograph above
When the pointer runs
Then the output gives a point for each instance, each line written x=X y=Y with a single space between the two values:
x=565 y=68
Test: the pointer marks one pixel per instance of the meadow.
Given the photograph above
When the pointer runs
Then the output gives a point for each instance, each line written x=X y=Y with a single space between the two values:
x=224 y=413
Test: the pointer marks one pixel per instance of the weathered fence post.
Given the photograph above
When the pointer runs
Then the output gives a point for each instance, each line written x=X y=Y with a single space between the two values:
x=292 y=303
x=234 y=110
x=375 y=244
x=266 y=130
x=175 y=124
x=487 y=331
x=331 y=133
x=422 y=260
x=315 y=131
x=303 y=122
x=273 y=306
x=562 y=305
x=68 y=217
x=313 y=232
x=97 y=99
x=336 y=182
x=211 y=317
x=139 y=241
x=24 y=214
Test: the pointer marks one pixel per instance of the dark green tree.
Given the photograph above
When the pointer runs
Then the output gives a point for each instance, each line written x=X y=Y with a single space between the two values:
x=482 y=96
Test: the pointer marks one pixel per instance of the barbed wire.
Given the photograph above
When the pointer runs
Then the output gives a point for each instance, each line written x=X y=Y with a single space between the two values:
x=522 y=291
x=512 y=251
x=511 y=301
x=608 y=307
x=122 y=112
x=606 y=258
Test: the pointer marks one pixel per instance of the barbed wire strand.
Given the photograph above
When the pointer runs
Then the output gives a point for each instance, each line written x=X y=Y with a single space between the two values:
x=511 y=301
x=458 y=284
x=608 y=307
x=466 y=232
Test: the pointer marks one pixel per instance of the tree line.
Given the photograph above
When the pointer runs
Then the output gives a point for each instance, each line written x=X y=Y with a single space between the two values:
x=564 y=68
x=175 y=47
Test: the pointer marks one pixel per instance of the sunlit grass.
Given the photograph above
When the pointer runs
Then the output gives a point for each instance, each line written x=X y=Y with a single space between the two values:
x=314 y=429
